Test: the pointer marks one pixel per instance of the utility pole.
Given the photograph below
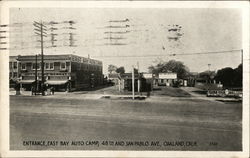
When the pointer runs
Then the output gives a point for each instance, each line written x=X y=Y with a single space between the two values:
x=36 y=76
x=209 y=67
x=138 y=81
x=242 y=57
x=133 y=82
x=40 y=30
x=209 y=73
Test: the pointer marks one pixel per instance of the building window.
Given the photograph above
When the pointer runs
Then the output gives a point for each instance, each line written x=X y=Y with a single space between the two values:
x=34 y=66
x=46 y=66
x=51 y=66
x=10 y=65
x=23 y=66
x=63 y=66
x=15 y=74
x=15 y=65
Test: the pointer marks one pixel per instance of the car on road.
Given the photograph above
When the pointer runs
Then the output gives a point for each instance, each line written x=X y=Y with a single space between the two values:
x=224 y=93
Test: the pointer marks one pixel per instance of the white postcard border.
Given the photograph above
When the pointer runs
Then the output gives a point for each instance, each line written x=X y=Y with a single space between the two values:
x=4 y=96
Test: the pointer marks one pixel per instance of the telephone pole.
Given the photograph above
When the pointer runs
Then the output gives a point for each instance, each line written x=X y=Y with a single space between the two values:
x=208 y=67
x=133 y=82
x=242 y=57
x=138 y=81
x=40 y=30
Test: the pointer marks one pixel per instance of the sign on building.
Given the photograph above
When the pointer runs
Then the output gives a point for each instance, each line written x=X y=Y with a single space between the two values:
x=167 y=76
x=147 y=75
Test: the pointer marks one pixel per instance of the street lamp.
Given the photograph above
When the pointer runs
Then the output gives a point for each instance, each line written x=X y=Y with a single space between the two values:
x=209 y=67
x=209 y=73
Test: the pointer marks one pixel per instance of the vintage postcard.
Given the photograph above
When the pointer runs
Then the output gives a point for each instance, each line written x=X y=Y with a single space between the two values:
x=124 y=79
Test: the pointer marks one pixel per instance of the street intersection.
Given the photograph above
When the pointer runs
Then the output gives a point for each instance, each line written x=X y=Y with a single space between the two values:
x=170 y=119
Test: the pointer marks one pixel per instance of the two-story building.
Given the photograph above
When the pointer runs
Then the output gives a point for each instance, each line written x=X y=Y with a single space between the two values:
x=65 y=72
x=14 y=70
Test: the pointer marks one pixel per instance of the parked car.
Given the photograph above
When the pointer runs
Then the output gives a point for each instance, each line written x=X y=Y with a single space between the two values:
x=224 y=93
x=176 y=84
x=215 y=93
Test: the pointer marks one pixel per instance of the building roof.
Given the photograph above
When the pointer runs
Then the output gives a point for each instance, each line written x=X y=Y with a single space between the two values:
x=168 y=75
x=13 y=58
x=114 y=76
x=147 y=75
x=66 y=57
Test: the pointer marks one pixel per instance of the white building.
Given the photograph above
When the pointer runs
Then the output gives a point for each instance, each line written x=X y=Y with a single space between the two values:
x=166 y=78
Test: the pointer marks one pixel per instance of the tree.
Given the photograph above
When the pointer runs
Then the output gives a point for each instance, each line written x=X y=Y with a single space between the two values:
x=207 y=75
x=238 y=76
x=136 y=71
x=225 y=76
x=170 y=66
x=112 y=68
x=120 y=70
x=230 y=77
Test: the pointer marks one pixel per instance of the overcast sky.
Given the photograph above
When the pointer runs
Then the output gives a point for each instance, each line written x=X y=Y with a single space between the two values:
x=147 y=39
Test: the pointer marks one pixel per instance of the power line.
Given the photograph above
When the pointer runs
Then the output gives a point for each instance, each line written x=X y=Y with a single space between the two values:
x=173 y=54
x=215 y=52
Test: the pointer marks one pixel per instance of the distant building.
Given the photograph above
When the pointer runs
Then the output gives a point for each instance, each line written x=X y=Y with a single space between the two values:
x=14 y=67
x=114 y=77
x=147 y=75
x=14 y=70
x=191 y=79
x=166 y=79
x=146 y=80
x=206 y=81
x=145 y=84
x=126 y=81
x=66 y=72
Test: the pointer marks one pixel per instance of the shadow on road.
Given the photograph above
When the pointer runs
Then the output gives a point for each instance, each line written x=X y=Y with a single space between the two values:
x=170 y=91
x=93 y=88
x=200 y=92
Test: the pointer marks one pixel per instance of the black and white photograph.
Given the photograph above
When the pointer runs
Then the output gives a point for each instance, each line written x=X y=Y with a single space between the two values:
x=126 y=78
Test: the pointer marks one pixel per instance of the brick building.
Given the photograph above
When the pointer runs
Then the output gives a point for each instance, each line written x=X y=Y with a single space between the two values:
x=14 y=70
x=64 y=72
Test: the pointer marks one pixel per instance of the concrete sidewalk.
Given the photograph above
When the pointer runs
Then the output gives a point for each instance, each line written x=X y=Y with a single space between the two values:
x=79 y=95
x=165 y=95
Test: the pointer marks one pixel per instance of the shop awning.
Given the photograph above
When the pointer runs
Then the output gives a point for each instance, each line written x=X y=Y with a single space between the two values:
x=56 y=82
x=26 y=81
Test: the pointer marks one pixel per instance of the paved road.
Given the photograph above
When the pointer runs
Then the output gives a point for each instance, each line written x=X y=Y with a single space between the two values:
x=172 y=121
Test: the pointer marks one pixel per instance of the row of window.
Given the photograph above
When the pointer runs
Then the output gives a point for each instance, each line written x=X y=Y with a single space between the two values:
x=47 y=77
x=13 y=74
x=85 y=60
x=47 y=74
x=50 y=66
x=89 y=67
x=13 y=65
x=47 y=66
